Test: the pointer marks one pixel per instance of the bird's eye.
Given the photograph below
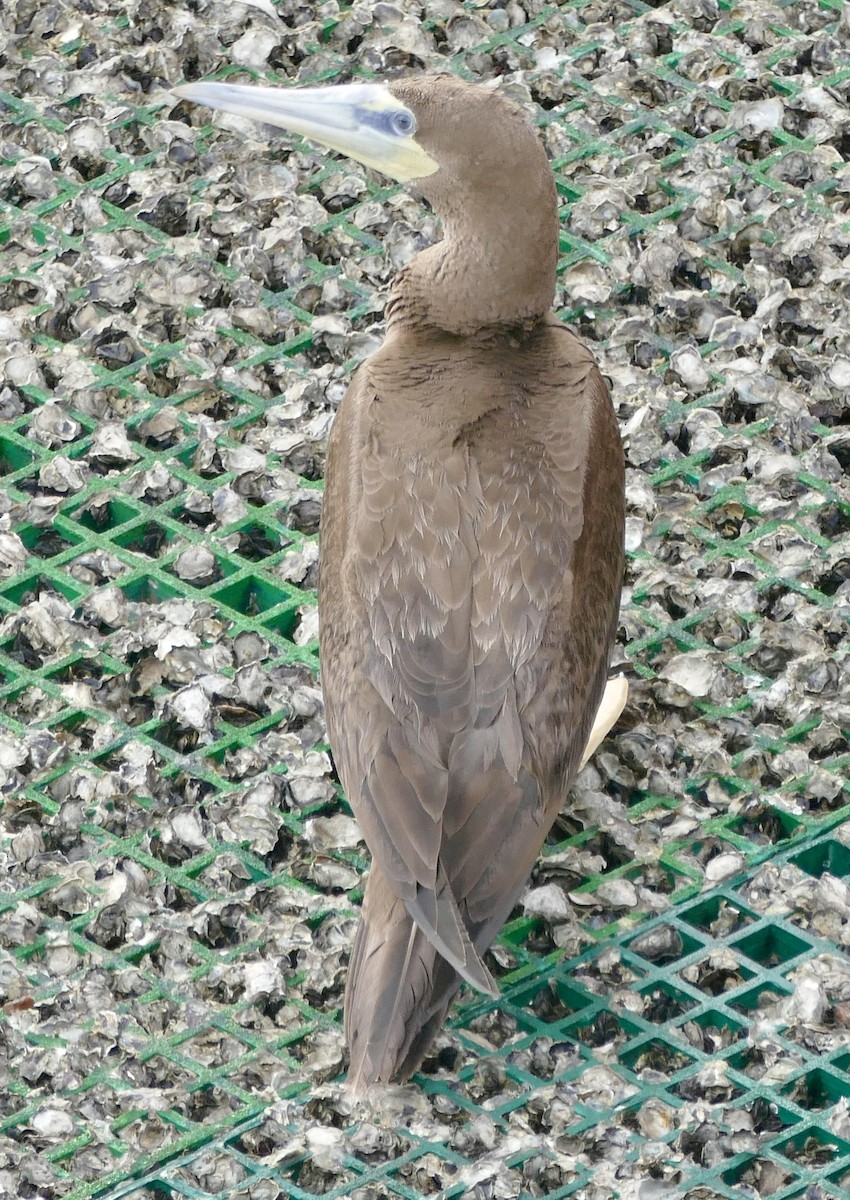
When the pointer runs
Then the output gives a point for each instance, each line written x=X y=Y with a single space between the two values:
x=403 y=122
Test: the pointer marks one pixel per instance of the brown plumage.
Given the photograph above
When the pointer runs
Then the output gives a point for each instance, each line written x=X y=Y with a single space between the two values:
x=471 y=554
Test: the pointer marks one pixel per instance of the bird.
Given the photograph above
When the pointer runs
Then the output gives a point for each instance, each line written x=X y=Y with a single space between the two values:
x=471 y=549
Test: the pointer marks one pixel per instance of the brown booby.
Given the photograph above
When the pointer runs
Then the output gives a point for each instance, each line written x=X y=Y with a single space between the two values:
x=471 y=549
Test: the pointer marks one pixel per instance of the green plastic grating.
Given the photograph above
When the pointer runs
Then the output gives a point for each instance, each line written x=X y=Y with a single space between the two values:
x=172 y=935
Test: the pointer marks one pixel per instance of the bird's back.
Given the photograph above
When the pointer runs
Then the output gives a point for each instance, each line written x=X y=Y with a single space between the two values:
x=470 y=577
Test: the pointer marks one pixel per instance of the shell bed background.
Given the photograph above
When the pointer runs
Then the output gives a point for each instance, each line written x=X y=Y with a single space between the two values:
x=180 y=307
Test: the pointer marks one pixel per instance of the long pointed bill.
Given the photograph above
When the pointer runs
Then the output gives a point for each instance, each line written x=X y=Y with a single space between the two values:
x=364 y=121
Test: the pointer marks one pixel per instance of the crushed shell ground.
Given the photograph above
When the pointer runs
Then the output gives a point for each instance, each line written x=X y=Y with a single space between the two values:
x=181 y=304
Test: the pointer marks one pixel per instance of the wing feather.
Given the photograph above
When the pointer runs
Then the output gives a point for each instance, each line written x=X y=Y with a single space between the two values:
x=469 y=644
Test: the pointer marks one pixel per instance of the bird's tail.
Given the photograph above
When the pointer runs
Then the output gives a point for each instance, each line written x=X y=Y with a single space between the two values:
x=399 y=989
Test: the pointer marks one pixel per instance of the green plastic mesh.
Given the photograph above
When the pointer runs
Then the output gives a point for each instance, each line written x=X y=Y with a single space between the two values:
x=638 y=1025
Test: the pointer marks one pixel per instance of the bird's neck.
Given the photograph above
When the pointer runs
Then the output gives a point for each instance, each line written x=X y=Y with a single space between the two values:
x=498 y=274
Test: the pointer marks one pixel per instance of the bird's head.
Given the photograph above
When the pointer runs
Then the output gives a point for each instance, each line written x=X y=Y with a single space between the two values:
x=435 y=131
x=467 y=149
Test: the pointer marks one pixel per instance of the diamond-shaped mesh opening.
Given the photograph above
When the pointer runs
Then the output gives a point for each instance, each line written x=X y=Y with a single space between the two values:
x=817 y=1090
x=759 y=1000
x=813 y=1147
x=712 y=1029
x=663 y=1003
x=717 y=917
x=717 y=974
x=656 y=1058
x=827 y=856
x=771 y=947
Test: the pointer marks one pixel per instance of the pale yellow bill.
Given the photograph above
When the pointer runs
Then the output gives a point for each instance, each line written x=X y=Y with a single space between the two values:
x=364 y=121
